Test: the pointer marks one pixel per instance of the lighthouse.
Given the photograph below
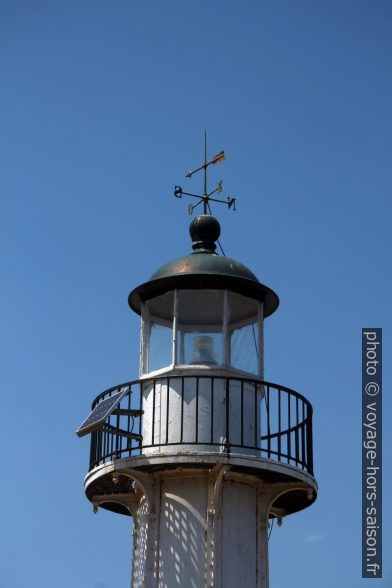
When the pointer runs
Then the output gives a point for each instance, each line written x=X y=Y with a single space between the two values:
x=201 y=451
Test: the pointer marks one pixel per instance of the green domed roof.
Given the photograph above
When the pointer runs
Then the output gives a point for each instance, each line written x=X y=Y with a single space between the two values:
x=204 y=269
x=204 y=263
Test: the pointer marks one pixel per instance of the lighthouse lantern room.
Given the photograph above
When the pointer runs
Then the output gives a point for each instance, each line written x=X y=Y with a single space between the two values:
x=200 y=450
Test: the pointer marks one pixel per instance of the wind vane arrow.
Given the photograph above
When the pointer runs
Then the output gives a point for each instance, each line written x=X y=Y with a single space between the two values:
x=206 y=197
x=216 y=159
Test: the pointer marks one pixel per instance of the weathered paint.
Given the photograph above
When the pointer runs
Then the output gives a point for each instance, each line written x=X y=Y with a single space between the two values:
x=203 y=532
x=201 y=519
x=175 y=411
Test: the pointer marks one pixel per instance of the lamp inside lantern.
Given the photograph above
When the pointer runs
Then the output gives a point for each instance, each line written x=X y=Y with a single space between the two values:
x=203 y=350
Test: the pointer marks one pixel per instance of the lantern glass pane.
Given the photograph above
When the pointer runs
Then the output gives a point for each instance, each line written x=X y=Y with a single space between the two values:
x=244 y=348
x=160 y=347
x=200 y=327
x=158 y=333
x=243 y=329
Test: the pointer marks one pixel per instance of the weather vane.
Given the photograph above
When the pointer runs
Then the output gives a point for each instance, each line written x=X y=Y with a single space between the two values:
x=205 y=198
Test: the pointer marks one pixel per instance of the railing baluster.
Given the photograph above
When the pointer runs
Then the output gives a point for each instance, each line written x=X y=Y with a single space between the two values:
x=310 y=440
x=255 y=415
x=279 y=424
x=303 y=436
x=197 y=410
x=242 y=412
x=118 y=439
x=153 y=413
x=92 y=448
x=296 y=431
x=289 y=427
x=212 y=411
x=268 y=423
x=129 y=442
x=140 y=415
x=182 y=410
x=167 y=410
x=227 y=387
x=107 y=444
x=98 y=458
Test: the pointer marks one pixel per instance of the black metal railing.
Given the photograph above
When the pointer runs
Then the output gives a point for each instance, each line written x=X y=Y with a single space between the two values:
x=227 y=414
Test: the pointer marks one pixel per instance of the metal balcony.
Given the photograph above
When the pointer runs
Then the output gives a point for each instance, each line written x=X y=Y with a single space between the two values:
x=244 y=416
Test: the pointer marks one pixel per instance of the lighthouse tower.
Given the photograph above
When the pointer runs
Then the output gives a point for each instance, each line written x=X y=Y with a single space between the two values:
x=201 y=451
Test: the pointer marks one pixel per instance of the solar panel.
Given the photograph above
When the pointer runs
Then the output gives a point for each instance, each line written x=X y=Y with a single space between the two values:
x=98 y=416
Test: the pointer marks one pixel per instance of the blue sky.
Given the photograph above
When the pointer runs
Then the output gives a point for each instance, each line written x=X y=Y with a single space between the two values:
x=103 y=106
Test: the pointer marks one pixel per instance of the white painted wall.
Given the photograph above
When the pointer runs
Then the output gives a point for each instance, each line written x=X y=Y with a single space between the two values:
x=203 y=533
x=208 y=400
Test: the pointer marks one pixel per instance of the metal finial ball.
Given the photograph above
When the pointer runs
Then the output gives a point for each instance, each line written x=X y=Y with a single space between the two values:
x=204 y=229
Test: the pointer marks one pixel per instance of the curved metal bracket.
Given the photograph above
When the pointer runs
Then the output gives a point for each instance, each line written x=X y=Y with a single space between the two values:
x=216 y=477
x=144 y=482
x=144 y=485
x=279 y=490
